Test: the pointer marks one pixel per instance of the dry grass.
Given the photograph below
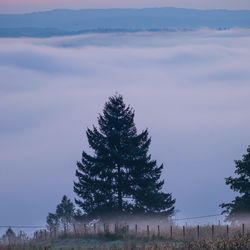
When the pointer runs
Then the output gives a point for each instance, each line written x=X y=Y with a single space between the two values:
x=236 y=243
x=127 y=238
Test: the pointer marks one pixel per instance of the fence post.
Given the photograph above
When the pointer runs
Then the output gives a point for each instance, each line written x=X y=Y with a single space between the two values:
x=243 y=229
x=159 y=233
x=184 y=233
x=136 y=229
x=212 y=232
x=148 y=230
x=198 y=232
x=127 y=228
x=227 y=231
x=171 y=232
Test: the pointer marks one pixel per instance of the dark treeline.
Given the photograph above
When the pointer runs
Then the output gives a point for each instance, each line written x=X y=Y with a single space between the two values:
x=70 y=22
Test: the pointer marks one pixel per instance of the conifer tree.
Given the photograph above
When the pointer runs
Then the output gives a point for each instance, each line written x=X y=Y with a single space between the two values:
x=240 y=206
x=120 y=175
x=10 y=235
x=52 y=222
x=65 y=213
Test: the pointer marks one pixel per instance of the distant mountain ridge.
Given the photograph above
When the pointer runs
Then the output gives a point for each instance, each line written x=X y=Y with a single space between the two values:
x=66 y=22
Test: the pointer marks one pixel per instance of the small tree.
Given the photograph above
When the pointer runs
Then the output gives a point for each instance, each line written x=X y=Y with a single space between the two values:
x=63 y=216
x=10 y=235
x=120 y=177
x=240 y=206
x=65 y=212
x=52 y=222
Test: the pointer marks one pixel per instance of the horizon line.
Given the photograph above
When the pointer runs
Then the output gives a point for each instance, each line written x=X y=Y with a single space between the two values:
x=117 y=8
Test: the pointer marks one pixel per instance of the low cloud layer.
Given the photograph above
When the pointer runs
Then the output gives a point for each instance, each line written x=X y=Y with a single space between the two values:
x=190 y=89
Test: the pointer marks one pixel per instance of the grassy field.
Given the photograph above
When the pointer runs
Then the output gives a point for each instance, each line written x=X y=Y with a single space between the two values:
x=240 y=243
x=149 y=238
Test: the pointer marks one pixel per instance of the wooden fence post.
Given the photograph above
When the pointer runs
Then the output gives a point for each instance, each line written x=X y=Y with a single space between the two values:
x=171 y=232
x=212 y=232
x=136 y=229
x=198 y=232
x=148 y=230
x=159 y=233
x=184 y=233
x=227 y=231
x=243 y=229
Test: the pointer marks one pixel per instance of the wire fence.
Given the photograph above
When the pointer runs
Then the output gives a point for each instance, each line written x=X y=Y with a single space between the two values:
x=145 y=229
x=149 y=231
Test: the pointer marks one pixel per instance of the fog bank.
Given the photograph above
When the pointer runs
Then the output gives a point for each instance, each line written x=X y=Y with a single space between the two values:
x=190 y=89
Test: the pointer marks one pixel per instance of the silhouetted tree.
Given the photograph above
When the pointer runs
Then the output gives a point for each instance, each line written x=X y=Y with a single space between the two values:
x=79 y=216
x=10 y=235
x=52 y=222
x=63 y=216
x=120 y=176
x=65 y=212
x=240 y=206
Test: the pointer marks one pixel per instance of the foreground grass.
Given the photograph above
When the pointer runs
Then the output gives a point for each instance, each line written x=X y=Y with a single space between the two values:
x=106 y=243
x=132 y=239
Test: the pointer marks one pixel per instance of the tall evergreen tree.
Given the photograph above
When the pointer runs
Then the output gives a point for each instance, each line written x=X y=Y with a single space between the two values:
x=240 y=207
x=120 y=176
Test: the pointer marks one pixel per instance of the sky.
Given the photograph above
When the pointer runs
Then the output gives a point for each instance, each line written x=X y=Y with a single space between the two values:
x=24 y=6
x=190 y=89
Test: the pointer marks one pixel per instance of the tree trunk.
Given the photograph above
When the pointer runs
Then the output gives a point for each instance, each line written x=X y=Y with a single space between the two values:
x=119 y=189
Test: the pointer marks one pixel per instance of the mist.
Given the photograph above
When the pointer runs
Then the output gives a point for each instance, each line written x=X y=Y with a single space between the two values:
x=190 y=89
